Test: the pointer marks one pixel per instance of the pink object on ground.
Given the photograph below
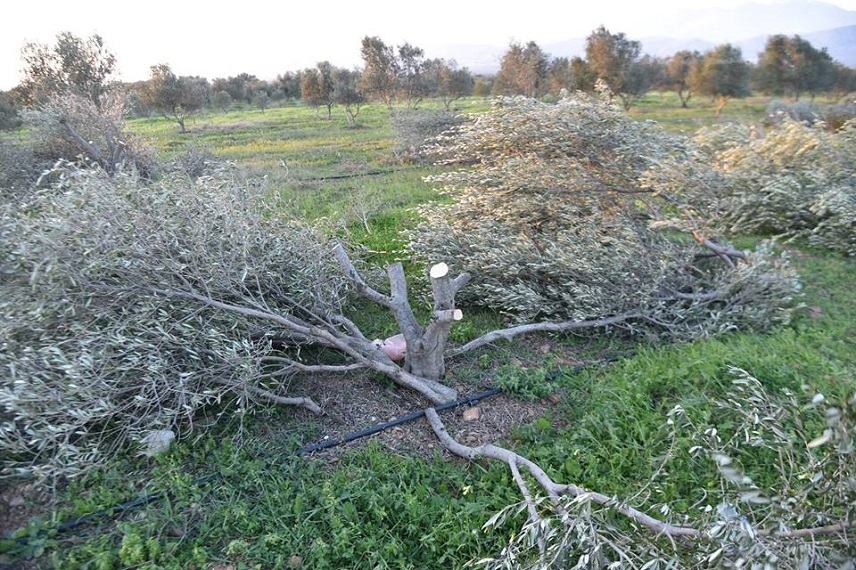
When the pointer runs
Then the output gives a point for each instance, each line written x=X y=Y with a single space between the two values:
x=395 y=347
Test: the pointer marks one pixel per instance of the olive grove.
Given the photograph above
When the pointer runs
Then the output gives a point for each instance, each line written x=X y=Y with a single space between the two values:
x=133 y=304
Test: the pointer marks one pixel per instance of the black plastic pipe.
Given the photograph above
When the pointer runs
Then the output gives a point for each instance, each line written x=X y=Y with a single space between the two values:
x=147 y=498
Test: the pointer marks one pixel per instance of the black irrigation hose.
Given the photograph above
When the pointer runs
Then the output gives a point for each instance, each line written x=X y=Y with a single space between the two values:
x=147 y=498
x=377 y=428
x=356 y=174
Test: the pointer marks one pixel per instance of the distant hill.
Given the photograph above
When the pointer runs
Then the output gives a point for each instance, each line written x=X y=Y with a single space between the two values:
x=746 y=25
x=754 y=19
x=841 y=43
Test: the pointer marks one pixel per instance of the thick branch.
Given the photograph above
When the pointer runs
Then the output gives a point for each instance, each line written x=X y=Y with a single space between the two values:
x=354 y=276
x=363 y=352
x=290 y=365
x=400 y=305
x=558 y=326
x=554 y=490
x=724 y=252
x=84 y=144
x=304 y=402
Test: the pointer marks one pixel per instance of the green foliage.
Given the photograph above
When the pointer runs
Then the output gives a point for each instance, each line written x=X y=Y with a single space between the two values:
x=172 y=96
x=73 y=65
x=722 y=73
x=791 y=65
x=526 y=383
x=9 y=111
x=523 y=71
x=615 y=60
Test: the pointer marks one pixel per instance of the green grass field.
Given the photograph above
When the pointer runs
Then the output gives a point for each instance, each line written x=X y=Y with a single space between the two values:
x=374 y=507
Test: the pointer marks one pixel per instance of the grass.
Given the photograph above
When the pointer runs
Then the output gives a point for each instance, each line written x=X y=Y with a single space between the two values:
x=376 y=509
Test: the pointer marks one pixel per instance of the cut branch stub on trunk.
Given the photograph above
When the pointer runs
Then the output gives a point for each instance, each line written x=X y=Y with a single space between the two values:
x=425 y=346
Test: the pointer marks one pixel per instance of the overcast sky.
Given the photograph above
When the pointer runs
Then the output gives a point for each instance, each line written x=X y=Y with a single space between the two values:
x=266 y=38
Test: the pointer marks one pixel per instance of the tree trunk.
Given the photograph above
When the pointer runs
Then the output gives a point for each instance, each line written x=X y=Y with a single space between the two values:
x=721 y=105
x=426 y=350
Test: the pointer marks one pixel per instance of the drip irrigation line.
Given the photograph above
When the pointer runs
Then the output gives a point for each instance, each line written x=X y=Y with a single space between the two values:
x=147 y=498
x=355 y=175
x=377 y=428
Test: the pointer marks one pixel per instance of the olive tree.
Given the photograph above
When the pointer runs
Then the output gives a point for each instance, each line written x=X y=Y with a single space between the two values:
x=173 y=96
x=413 y=69
x=722 y=74
x=677 y=74
x=452 y=82
x=522 y=71
x=222 y=100
x=82 y=66
x=615 y=60
x=9 y=111
x=317 y=85
x=792 y=65
x=381 y=69
x=261 y=100
x=347 y=94
x=72 y=127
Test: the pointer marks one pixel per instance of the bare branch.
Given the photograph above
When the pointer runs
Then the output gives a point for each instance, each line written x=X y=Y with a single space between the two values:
x=554 y=490
x=354 y=276
x=304 y=402
x=558 y=326
x=363 y=352
x=293 y=365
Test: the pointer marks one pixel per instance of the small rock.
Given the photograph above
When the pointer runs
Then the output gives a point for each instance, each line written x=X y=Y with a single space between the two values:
x=815 y=312
x=157 y=442
x=544 y=348
x=295 y=561
x=16 y=501
x=472 y=414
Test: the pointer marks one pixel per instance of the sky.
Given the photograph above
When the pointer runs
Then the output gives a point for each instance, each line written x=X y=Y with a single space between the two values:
x=216 y=38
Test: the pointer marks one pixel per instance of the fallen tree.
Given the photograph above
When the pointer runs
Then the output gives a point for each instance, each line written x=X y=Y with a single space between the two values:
x=130 y=306
x=794 y=181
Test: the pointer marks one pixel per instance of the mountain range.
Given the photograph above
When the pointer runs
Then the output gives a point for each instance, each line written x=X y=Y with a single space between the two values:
x=748 y=26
